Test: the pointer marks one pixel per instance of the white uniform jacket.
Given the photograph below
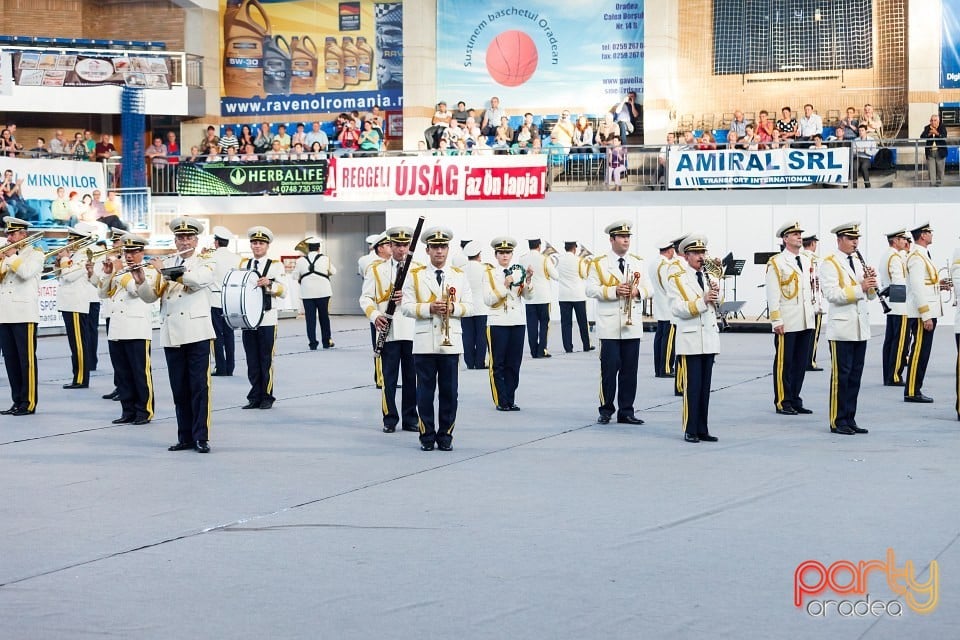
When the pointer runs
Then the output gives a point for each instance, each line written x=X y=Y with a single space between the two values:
x=184 y=303
x=96 y=280
x=20 y=286
x=476 y=274
x=364 y=262
x=419 y=290
x=658 y=283
x=697 y=329
x=73 y=293
x=377 y=287
x=848 y=316
x=602 y=284
x=894 y=271
x=224 y=261
x=130 y=317
x=573 y=277
x=543 y=272
x=923 y=286
x=276 y=290
x=790 y=293
x=315 y=283
x=506 y=305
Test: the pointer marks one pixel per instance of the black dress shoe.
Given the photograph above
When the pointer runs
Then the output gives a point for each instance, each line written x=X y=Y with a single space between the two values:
x=389 y=429
x=664 y=375
x=202 y=446
x=113 y=395
x=787 y=411
x=918 y=398
x=844 y=430
x=590 y=348
x=313 y=347
x=689 y=437
x=814 y=368
x=629 y=420
x=74 y=385
x=7 y=412
x=857 y=429
x=708 y=438
x=502 y=408
x=568 y=350
x=445 y=447
x=407 y=427
x=267 y=404
x=546 y=355
x=123 y=420
x=222 y=374
x=426 y=447
x=329 y=345
x=803 y=410
x=181 y=446
x=140 y=421
x=253 y=404
x=22 y=412
x=514 y=407
x=603 y=419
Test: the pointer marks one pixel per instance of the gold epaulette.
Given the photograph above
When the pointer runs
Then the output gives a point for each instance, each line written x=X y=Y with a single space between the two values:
x=457 y=269
x=419 y=267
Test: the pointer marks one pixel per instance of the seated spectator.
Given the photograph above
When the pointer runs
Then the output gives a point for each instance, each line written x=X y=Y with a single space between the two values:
x=607 y=130
x=156 y=154
x=690 y=142
x=864 y=149
x=59 y=210
x=810 y=123
x=563 y=131
x=616 y=164
x=275 y=153
x=454 y=133
x=299 y=136
x=264 y=141
x=836 y=135
x=849 y=126
x=214 y=155
x=583 y=136
x=340 y=124
x=460 y=148
x=750 y=140
x=422 y=148
x=438 y=125
x=626 y=113
x=738 y=125
x=78 y=149
x=58 y=146
x=776 y=142
x=349 y=139
x=552 y=146
x=250 y=154
x=229 y=140
x=764 y=129
x=232 y=155
x=443 y=148
x=670 y=147
x=504 y=128
x=787 y=125
x=318 y=151
x=460 y=113
x=535 y=131
x=500 y=145
x=480 y=147
x=173 y=148
x=536 y=146
x=40 y=151
x=733 y=140
x=818 y=141
x=245 y=138
x=194 y=155
x=282 y=137
x=299 y=152
x=522 y=145
x=872 y=120
x=707 y=142
x=316 y=135
x=491 y=117
x=8 y=145
x=210 y=138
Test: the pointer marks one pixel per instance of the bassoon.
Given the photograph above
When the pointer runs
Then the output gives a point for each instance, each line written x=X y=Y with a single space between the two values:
x=397 y=286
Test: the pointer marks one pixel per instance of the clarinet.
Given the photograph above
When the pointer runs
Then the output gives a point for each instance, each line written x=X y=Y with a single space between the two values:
x=867 y=271
x=397 y=286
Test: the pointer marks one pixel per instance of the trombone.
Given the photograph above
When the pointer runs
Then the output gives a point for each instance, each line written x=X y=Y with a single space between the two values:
x=30 y=240
x=104 y=253
x=71 y=247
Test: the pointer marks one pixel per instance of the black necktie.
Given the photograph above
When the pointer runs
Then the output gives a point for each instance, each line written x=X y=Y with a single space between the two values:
x=799 y=264
x=850 y=260
x=440 y=276
x=700 y=280
x=256 y=266
x=622 y=268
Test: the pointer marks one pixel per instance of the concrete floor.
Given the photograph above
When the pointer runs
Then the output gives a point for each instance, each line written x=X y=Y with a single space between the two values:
x=307 y=522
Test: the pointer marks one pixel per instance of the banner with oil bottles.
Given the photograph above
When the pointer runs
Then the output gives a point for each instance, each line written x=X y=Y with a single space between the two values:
x=310 y=56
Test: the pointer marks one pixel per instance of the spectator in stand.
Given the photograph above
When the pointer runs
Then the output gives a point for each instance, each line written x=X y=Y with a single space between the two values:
x=340 y=124
x=90 y=143
x=787 y=125
x=733 y=140
x=626 y=113
x=707 y=142
x=536 y=146
x=14 y=147
x=460 y=148
x=438 y=125
x=534 y=130
x=491 y=117
x=583 y=136
x=738 y=125
x=837 y=135
x=214 y=154
x=250 y=154
x=454 y=133
x=376 y=119
x=104 y=149
x=7 y=145
x=563 y=131
x=173 y=148
x=810 y=124
x=936 y=149
x=209 y=139
x=481 y=148
x=349 y=139
x=299 y=136
x=460 y=114
x=232 y=155
x=608 y=128
x=316 y=135
x=850 y=126
x=283 y=137
x=864 y=148
x=818 y=143
x=245 y=138
x=40 y=151
x=59 y=210
x=500 y=145
x=229 y=140
x=275 y=153
x=77 y=148
x=670 y=147
x=689 y=142
x=504 y=129
x=195 y=155
x=616 y=164
x=156 y=154
x=873 y=122
x=443 y=148
x=776 y=142
x=58 y=146
x=750 y=139
x=264 y=141
x=764 y=129
x=318 y=151
x=522 y=145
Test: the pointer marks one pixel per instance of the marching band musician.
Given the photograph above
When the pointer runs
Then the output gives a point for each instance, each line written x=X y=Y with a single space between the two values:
x=312 y=271
x=792 y=304
x=96 y=277
x=572 y=272
x=379 y=251
x=693 y=302
x=73 y=303
x=20 y=271
x=475 y=326
x=437 y=296
x=616 y=282
x=186 y=332
x=847 y=289
x=955 y=277
x=258 y=343
x=130 y=330
x=923 y=308
x=894 y=274
x=504 y=288
x=538 y=303
x=663 y=341
x=224 y=345
x=810 y=243
x=396 y=359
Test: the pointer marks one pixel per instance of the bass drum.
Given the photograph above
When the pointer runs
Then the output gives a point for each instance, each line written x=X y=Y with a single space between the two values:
x=242 y=299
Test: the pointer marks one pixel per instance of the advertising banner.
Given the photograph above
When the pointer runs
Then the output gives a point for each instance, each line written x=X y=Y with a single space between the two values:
x=42 y=69
x=299 y=177
x=724 y=168
x=519 y=177
x=310 y=56
x=950 y=45
x=543 y=55
x=41 y=178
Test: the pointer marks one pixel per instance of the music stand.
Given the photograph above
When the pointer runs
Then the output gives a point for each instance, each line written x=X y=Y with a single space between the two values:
x=762 y=258
x=733 y=267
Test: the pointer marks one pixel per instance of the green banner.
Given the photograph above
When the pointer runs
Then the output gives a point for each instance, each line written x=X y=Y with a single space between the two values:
x=252 y=178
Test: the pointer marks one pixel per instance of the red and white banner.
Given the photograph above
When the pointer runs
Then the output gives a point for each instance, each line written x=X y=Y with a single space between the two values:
x=517 y=177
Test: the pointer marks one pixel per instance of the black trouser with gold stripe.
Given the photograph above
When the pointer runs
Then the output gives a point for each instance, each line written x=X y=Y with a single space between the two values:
x=791 y=351
x=619 y=361
x=845 y=376
x=815 y=341
x=78 y=335
x=697 y=373
x=538 y=323
x=474 y=341
x=506 y=355
x=919 y=355
x=397 y=360
x=258 y=345
x=437 y=373
x=663 y=355
x=131 y=364
x=93 y=335
x=895 y=348
x=18 y=343
x=377 y=374
x=224 y=345
x=189 y=369
x=567 y=309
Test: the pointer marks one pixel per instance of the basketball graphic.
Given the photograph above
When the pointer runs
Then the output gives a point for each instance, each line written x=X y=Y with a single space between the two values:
x=512 y=58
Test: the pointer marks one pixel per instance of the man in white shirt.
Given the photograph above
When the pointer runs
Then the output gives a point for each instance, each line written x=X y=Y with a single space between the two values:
x=224 y=345
x=572 y=271
x=313 y=271
x=809 y=124
x=539 y=301
x=475 y=326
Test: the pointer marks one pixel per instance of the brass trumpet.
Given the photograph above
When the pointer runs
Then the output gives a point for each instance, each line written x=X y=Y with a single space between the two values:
x=449 y=296
x=629 y=302
x=946 y=285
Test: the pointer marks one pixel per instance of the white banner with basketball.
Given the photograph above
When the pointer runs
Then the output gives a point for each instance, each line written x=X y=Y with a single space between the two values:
x=41 y=178
x=518 y=177
x=724 y=168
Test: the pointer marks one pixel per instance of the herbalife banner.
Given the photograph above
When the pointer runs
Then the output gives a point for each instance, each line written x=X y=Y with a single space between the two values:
x=690 y=169
x=41 y=178
x=252 y=178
